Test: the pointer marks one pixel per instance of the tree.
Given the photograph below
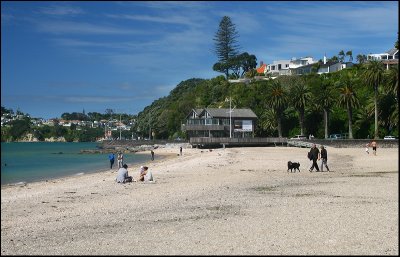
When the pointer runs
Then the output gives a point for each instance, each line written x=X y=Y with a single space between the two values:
x=392 y=80
x=373 y=76
x=341 y=56
x=361 y=58
x=348 y=98
x=278 y=101
x=19 y=128
x=350 y=55
x=392 y=86
x=242 y=63
x=225 y=44
x=325 y=100
x=334 y=59
x=300 y=96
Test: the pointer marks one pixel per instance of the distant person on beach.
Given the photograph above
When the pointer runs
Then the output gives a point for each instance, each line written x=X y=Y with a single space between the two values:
x=120 y=160
x=122 y=176
x=180 y=151
x=314 y=156
x=324 y=157
x=374 y=145
x=111 y=157
x=367 y=148
x=152 y=155
x=145 y=174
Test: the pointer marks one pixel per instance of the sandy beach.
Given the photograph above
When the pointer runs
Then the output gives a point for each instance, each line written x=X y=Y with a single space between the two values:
x=233 y=201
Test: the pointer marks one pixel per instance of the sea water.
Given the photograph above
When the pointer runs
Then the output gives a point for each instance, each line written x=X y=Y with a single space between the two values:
x=37 y=161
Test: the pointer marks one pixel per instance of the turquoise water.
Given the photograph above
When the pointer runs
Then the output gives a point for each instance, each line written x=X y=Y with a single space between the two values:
x=37 y=161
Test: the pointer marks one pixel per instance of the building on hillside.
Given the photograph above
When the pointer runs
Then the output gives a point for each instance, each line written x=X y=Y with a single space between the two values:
x=278 y=68
x=285 y=67
x=389 y=58
x=295 y=63
x=262 y=69
x=319 y=67
x=218 y=122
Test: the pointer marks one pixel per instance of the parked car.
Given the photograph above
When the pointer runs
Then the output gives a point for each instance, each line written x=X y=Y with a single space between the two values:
x=389 y=138
x=299 y=137
x=335 y=136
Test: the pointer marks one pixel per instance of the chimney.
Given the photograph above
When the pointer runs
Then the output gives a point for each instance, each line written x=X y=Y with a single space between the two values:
x=325 y=58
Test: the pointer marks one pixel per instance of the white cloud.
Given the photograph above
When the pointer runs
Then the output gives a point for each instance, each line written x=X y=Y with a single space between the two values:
x=171 y=19
x=60 y=10
x=72 y=27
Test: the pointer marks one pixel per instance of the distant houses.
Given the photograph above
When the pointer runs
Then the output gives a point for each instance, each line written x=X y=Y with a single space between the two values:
x=389 y=58
x=307 y=65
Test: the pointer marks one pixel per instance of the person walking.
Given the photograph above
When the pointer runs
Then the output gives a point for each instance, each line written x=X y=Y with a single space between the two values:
x=180 y=151
x=324 y=157
x=111 y=157
x=152 y=155
x=314 y=156
x=367 y=148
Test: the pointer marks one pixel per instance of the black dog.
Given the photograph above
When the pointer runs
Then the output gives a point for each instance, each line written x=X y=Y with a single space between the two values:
x=293 y=165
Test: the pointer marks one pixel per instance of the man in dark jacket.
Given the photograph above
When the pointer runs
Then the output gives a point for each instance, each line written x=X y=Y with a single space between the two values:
x=314 y=157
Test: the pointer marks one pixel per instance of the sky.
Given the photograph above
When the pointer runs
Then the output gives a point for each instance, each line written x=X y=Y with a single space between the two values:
x=59 y=57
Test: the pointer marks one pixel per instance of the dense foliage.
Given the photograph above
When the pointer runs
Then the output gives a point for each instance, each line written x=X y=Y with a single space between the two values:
x=340 y=102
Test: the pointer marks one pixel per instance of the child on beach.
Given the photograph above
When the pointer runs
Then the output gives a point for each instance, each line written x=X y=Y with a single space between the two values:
x=367 y=148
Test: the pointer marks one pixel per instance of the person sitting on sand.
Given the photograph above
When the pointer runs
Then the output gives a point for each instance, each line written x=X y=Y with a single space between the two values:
x=145 y=174
x=373 y=144
x=122 y=176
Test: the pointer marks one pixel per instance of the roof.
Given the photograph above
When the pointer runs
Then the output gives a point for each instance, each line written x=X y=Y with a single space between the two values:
x=262 y=68
x=392 y=51
x=236 y=113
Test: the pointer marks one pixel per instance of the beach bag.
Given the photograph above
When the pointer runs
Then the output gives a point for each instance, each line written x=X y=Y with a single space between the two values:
x=309 y=155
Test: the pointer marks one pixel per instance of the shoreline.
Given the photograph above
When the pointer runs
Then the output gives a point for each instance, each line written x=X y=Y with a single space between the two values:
x=232 y=201
x=79 y=174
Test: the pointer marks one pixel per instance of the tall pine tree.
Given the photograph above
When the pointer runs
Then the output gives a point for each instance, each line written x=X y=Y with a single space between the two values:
x=226 y=46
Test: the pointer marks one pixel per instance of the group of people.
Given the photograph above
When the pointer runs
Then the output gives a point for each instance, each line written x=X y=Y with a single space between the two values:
x=315 y=155
x=123 y=176
x=120 y=159
x=144 y=175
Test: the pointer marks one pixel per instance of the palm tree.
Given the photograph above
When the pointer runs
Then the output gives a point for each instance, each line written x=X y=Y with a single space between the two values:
x=325 y=100
x=361 y=58
x=268 y=120
x=341 y=56
x=278 y=101
x=348 y=99
x=350 y=55
x=300 y=96
x=373 y=76
x=392 y=80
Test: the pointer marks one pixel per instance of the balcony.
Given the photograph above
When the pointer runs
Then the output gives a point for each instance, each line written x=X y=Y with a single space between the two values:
x=197 y=127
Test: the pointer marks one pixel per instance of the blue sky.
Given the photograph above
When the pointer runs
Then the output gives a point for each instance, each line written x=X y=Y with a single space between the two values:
x=61 y=57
